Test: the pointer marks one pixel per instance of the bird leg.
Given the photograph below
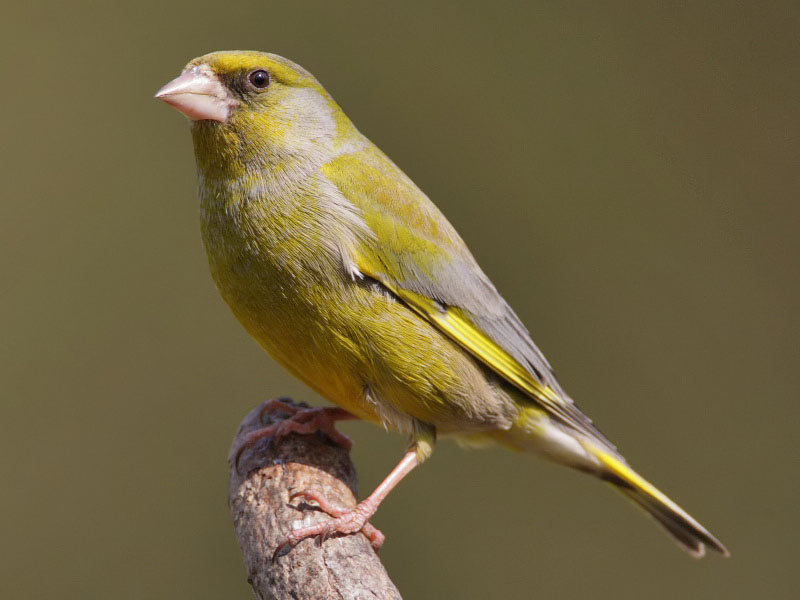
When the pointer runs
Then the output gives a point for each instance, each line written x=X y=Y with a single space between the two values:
x=346 y=522
x=300 y=420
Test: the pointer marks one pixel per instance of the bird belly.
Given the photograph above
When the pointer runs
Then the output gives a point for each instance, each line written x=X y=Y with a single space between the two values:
x=366 y=351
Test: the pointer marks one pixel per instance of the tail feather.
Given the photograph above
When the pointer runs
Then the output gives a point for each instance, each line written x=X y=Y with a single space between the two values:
x=687 y=532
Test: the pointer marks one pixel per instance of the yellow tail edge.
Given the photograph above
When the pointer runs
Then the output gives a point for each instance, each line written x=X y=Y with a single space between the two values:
x=688 y=533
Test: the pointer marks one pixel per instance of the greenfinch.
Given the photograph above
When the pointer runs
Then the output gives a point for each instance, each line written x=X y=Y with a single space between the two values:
x=349 y=276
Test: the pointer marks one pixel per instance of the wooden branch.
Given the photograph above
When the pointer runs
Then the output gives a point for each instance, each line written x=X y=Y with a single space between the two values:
x=344 y=567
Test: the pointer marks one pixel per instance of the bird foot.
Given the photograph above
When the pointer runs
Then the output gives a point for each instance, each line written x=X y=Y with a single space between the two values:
x=344 y=522
x=300 y=420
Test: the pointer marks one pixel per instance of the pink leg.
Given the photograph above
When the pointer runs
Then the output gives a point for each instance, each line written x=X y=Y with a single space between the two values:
x=352 y=521
x=301 y=420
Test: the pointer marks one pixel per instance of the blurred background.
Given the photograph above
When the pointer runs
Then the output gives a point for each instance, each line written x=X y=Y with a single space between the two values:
x=627 y=174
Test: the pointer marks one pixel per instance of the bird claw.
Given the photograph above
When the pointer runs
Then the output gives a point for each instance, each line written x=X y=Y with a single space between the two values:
x=302 y=420
x=344 y=522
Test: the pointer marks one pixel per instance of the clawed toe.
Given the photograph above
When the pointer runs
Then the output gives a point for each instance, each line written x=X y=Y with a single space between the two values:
x=346 y=522
x=343 y=522
x=299 y=419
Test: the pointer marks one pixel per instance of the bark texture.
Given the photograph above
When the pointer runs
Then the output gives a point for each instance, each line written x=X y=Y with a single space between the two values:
x=344 y=567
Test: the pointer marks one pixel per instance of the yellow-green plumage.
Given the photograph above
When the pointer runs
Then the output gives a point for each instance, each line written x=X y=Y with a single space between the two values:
x=349 y=276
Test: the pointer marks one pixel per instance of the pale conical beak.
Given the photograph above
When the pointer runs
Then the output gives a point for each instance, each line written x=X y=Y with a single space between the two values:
x=199 y=95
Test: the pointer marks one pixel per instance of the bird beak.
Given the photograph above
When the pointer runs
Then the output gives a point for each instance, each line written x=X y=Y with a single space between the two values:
x=198 y=94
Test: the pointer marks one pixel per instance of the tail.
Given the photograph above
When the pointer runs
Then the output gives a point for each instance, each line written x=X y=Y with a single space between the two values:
x=687 y=532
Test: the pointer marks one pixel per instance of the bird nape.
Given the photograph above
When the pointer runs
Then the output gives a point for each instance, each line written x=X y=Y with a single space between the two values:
x=350 y=277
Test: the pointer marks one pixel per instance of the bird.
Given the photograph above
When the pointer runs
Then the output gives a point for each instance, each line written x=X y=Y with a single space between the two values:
x=349 y=276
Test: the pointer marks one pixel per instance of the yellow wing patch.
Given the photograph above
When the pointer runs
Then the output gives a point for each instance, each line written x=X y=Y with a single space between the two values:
x=451 y=321
x=457 y=325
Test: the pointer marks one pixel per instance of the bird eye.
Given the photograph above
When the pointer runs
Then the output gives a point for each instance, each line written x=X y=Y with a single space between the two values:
x=259 y=79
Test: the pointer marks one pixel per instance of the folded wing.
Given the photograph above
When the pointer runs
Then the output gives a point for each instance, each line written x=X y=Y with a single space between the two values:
x=417 y=255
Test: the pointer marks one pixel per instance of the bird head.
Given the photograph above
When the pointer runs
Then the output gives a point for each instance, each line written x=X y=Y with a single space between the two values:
x=253 y=107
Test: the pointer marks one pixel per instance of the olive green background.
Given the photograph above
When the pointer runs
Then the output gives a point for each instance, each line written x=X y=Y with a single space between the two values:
x=627 y=174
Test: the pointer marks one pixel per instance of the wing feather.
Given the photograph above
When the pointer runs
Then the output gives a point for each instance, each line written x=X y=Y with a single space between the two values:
x=417 y=255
